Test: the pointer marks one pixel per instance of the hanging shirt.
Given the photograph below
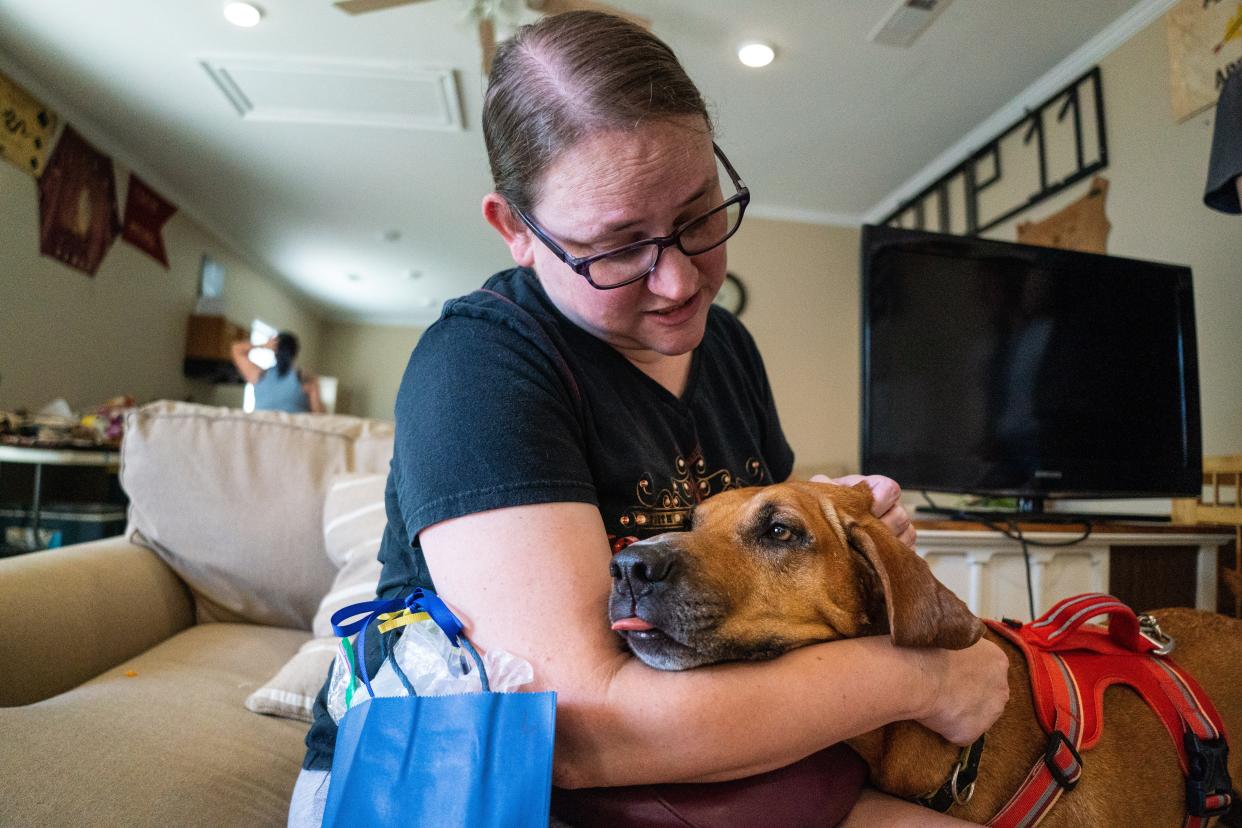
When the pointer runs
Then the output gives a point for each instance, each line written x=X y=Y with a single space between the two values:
x=1226 y=161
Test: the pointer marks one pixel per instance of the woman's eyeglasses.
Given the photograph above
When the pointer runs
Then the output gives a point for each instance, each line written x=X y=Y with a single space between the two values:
x=631 y=262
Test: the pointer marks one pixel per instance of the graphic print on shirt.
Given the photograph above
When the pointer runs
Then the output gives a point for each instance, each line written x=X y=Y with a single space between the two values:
x=666 y=509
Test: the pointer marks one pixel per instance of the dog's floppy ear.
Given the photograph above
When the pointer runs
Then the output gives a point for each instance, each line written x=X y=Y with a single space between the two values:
x=922 y=612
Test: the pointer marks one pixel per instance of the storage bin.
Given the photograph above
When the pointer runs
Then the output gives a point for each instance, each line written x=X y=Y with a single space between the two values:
x=61 y=524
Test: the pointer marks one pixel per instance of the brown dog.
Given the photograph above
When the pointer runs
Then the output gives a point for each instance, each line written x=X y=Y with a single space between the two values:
x=765 y=570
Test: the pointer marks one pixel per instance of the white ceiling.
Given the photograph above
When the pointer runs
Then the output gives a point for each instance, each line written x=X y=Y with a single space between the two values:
x=831 y=131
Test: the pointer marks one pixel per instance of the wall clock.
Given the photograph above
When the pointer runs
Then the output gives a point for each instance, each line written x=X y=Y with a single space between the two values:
x=732 y=295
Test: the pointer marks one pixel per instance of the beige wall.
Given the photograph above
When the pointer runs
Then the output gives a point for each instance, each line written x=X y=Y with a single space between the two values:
x=65 y=334
x=803 y=283
x=1157 y=171
x=368 y=361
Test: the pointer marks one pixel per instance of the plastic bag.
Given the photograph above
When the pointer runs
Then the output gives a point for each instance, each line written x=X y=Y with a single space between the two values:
x=432 y=664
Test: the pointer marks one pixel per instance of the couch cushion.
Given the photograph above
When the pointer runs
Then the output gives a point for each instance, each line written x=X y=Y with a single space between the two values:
x=233 y=501
x=162 y=739
x=353 y=524
x=290 y=694
x=353 y=511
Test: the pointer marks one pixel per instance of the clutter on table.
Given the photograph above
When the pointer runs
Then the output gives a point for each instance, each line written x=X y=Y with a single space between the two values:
x=56 y=425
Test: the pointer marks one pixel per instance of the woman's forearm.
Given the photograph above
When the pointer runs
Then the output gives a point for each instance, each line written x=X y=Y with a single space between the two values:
x=732 y=720
x=533 y=580
x=240 y=352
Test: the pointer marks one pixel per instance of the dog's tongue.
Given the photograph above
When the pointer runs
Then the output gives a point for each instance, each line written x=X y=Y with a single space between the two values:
x=631 y=623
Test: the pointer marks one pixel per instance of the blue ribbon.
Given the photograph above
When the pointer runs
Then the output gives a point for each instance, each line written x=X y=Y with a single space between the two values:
x=420 y=600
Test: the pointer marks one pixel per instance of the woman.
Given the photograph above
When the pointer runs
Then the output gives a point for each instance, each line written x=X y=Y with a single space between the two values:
x=590 y=397
x=281 y=387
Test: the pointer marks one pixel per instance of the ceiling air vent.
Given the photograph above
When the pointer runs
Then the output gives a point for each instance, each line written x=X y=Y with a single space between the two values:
x=349 y=93
x=908 y=19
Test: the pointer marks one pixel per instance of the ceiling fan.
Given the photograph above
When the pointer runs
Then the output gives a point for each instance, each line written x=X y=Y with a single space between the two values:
x=487 y=12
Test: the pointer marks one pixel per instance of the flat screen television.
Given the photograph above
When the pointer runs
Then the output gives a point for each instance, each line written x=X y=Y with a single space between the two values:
x=1008 y=370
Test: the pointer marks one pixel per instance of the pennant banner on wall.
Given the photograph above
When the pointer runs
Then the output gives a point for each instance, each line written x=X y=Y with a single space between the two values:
x=146 y=212
x=78 y=218
x=1205 y=47
x=26 y=128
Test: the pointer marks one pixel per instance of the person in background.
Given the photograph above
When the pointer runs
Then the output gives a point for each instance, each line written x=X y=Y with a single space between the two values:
x=282 y=387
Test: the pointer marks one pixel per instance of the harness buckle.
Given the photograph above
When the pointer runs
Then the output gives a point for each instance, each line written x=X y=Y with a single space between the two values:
x=1208 y=784
x=1056 y=741
x=1149 y=629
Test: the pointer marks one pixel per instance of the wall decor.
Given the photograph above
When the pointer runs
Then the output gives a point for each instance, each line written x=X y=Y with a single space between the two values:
x=26 y=128
x=146 y=212
x=78 y=218
x=1053 y=146
x=1205 y=47
x=210 y=279
x=1083 y=225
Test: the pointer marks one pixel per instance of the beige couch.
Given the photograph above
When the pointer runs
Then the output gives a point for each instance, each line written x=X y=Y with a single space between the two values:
x=128 y=662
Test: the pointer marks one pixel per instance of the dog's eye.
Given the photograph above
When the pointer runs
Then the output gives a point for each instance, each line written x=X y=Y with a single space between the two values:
x=779 y=531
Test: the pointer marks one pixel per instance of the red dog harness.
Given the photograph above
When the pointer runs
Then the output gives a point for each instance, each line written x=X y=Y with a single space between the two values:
x=1071 y=666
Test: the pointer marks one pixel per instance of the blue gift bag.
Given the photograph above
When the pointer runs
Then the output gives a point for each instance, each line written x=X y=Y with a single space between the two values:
x=473 y=759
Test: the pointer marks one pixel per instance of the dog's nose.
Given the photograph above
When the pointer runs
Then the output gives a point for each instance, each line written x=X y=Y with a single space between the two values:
x=642 y=563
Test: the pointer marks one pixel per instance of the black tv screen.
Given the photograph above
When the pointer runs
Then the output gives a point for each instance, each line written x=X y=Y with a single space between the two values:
x=1010 y=370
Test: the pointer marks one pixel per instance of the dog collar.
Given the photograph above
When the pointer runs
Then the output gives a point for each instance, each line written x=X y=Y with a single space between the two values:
x=960 y=786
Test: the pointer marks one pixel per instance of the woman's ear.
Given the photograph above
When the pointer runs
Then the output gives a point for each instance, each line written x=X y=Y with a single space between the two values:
x=517 y=236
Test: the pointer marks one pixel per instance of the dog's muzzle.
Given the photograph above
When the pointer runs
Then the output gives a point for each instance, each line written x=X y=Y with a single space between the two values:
x=659 y=606
x=645 y=566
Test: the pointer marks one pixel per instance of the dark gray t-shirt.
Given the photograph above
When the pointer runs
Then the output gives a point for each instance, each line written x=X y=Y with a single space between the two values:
x=505 y=402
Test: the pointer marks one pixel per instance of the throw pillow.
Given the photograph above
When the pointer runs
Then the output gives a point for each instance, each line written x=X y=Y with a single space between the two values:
x=353 y=524
x=233 y=502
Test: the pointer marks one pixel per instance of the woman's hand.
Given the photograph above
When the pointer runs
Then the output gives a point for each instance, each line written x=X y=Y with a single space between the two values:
x=887 y=502
x=966 y=690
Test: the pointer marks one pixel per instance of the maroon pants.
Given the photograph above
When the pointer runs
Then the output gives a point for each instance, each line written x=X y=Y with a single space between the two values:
x=816 y=791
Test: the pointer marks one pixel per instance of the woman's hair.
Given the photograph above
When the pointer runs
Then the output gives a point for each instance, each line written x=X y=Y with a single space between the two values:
x=286 y=352
x=567 y=76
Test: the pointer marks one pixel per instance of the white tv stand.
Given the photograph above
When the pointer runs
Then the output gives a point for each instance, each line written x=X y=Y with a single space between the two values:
x=986 y=569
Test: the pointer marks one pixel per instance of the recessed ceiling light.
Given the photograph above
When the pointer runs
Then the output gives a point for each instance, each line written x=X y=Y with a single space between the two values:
x=242 y=14
x=755 y=54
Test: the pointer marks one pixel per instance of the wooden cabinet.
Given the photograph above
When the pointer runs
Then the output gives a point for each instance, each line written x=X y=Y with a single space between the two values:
x=207 y=343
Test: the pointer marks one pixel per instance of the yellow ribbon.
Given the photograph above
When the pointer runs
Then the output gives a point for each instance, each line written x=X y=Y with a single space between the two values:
x=392 y=620
x=1233 y=29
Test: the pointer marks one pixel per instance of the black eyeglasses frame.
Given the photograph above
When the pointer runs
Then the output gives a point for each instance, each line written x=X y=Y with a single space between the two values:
x=582 y=266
